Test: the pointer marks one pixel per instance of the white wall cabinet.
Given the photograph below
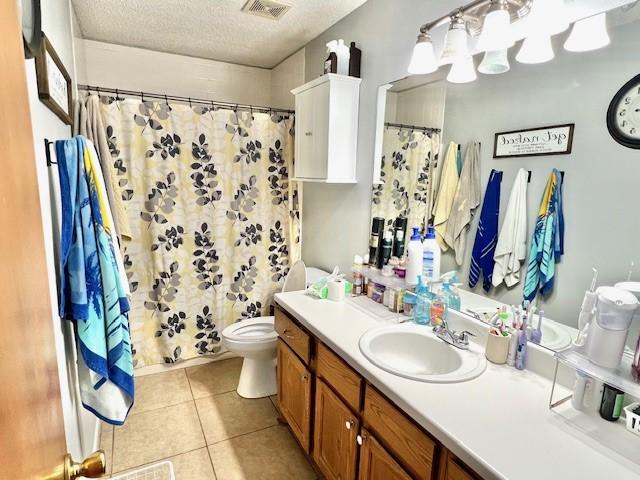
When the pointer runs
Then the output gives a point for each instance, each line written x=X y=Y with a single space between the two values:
x=327 y=129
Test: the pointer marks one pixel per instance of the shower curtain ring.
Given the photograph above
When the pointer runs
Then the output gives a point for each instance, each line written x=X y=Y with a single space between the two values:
x=166 y=99
x=117 y=95
x=142 y=96
x=190 y=104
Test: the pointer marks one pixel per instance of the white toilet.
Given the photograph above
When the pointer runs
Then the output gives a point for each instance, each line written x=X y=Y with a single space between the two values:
x=255 y=339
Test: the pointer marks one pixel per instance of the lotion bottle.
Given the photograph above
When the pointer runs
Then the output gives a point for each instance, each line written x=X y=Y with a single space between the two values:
x=414 y=258
x=430 y=257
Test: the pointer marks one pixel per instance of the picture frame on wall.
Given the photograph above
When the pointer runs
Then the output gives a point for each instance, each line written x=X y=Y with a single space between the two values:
x=534 y=142
x=54 y=82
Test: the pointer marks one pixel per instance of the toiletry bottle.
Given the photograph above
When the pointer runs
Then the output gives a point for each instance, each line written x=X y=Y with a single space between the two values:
x=521 y=350
x=385 y=253
x=331 y=63
x=355 y=58
x=414 y=258
x=438 y=309
x=421 y=314
x=579 y=390
x=536 y=333
x=635 y=368
x=452 y=296
x=399 y=232
x=612 y=402
x=357 y=276
x=430 y=257
x=342 y=51
x=375 y=240
x=513 y=340
x=365 y=278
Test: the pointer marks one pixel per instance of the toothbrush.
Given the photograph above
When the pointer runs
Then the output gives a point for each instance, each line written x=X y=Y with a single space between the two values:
x=536 y=334
x=521 y=349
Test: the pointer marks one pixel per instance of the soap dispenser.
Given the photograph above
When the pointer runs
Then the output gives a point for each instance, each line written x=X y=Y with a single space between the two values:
x=414 y=258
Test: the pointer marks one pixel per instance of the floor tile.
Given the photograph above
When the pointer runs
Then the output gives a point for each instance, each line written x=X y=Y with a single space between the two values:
x=228 y=415
x=194 y=465
x=156 y=434
x=269 y=454
x=161 y=390
x=214 y=377
x=106 y=443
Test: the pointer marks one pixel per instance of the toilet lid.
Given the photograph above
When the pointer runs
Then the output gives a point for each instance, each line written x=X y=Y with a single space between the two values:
x=251 y=330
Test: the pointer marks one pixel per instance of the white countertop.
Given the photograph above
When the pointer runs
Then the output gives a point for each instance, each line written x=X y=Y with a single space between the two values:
x=498 y=423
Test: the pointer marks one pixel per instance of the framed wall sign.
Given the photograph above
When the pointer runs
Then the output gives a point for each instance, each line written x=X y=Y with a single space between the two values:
x=532 y=142
x=54 y=82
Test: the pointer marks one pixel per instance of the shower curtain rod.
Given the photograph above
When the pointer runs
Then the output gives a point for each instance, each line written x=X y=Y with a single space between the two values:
x=177 y=98
x=412 y=127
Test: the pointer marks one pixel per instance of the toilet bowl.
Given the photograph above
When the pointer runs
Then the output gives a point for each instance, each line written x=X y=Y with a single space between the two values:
x=254 y=339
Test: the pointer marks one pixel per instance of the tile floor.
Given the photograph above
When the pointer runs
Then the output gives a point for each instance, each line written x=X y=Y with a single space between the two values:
x=195 y=418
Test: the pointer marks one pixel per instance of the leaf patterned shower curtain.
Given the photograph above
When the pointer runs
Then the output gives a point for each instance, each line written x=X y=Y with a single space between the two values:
x=215 y=219
x=409 y=159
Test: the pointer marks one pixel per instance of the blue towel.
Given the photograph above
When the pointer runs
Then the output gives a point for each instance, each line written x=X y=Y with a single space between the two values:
x=547 y=243
x=91 y=294
x=487 y=234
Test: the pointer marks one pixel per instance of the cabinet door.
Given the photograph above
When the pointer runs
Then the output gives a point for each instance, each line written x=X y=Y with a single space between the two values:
x=312 y=133
x=376 y=463
x=336 y=428
x=294 y=394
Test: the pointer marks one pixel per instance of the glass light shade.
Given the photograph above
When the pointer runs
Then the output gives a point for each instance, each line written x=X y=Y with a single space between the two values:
x=496 y=31
x=423 y=59
x=495 y=62
x=455 y=44
x=546 y=16
x=588 y=34
x=462 y=70
x=536 y=49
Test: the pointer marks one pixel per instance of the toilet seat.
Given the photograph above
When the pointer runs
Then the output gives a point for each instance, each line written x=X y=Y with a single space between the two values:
x=252 y=330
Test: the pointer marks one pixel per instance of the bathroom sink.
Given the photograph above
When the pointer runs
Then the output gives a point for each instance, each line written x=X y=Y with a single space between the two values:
x=413 y=351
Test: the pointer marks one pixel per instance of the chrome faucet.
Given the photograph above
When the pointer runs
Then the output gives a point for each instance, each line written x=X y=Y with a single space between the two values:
x=458 y=340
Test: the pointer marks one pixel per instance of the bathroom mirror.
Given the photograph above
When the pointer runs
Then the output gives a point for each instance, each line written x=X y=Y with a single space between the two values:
x=599 y=176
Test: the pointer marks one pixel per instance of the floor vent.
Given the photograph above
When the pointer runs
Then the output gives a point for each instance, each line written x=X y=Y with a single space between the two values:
x=266 y=8
x=158 y=471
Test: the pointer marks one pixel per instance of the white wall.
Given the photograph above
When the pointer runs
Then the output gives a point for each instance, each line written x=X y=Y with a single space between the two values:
x=80 y=426
x=422 y=106
x=130 y=68
x=601 y=180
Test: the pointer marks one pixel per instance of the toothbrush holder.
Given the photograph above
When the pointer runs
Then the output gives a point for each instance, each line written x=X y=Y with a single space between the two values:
x=497 y=348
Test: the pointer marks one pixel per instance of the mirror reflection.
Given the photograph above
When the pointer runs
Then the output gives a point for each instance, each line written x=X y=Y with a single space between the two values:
x=525 y=177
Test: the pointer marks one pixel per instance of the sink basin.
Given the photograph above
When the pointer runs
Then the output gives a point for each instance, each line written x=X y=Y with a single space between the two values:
x=413 y=351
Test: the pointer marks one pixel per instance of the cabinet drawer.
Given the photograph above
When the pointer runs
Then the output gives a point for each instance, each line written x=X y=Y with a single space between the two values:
x=340 y=376
x=410 y=445
x=293 y=335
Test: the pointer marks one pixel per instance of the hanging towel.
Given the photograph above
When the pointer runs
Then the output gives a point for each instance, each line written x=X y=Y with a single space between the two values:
x=487 y=234
x=446 y=192
x=465 y=201
x=547 y=244
x=88 y=123
x=91 y=292
x=511 y=250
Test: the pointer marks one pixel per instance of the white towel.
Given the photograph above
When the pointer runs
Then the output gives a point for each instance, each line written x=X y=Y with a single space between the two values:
x=466 y=199
x=446 y=192
x=512 y=241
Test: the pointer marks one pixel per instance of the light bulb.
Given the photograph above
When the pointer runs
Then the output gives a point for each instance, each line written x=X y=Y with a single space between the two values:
x=423 y=59
x=496 y=29
x=536 y=49
x=495 y=62
x=455 y=44
x=462 y=70
x=588 y=34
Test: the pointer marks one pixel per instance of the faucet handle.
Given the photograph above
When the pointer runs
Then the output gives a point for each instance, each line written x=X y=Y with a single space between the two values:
x=463 y=336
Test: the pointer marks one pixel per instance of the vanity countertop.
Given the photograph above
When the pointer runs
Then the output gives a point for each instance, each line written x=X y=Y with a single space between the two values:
x=498 y=423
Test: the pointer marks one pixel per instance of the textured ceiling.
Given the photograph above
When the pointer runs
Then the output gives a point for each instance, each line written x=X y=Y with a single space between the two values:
x=214 y=29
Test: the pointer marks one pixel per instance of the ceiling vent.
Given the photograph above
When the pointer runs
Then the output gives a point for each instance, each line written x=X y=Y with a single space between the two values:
x=266 y=8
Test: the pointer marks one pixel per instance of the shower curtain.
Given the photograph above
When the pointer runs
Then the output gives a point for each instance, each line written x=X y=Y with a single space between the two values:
x=214 y=219
x=409 y=159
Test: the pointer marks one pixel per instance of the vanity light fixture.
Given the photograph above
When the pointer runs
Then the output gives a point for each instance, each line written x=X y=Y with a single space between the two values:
x=547 y=16
x=496 y=29
x=495 y=62
x=455 y=44
x=588 y=34
x=423 y=59
x=536 y=48
x=462 y=71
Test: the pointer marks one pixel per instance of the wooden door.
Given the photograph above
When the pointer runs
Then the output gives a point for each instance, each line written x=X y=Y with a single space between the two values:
x=335 y=432
x=294 y=394
x=376 y=463
x=31 y=424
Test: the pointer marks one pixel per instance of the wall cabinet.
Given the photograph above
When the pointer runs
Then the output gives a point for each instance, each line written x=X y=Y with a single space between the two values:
x=326 y=131
x=350 y=430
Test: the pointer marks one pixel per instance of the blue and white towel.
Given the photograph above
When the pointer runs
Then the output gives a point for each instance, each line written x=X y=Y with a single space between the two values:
x=487 y=234
x=547 y=244
x=91 y=290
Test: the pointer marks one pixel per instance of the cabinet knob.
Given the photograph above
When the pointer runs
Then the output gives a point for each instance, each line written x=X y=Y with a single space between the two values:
x=349 y=424
x=360 y=439
x=305 y=377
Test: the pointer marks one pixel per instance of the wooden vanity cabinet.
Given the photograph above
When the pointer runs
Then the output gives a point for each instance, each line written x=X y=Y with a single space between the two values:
x=376 y=463
x=294 y=394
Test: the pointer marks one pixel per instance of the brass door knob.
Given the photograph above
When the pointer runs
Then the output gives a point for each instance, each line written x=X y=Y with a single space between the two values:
x=94 y=466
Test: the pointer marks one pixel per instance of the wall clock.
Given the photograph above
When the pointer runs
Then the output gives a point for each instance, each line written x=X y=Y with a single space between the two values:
x=31 y=26
x=623 y=116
